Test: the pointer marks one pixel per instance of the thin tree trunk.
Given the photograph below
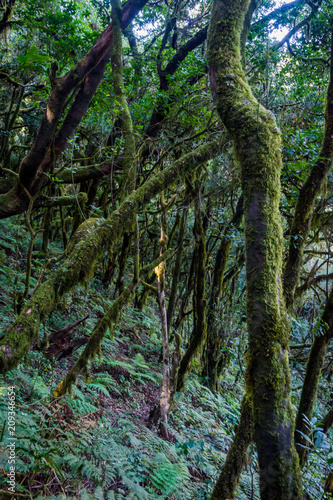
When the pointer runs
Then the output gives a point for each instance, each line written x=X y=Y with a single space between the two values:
x=164 y=406
x=306 y=199
x=182 y=313
x=123 y=262
x=311 y=380
x=226 y=486
x=212 y=351
x=177 y=266
x=199 y=304
x=108 y=321
x=125 y=119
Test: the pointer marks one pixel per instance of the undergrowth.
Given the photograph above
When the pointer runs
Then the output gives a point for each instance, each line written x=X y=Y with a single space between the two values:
x=98 y=443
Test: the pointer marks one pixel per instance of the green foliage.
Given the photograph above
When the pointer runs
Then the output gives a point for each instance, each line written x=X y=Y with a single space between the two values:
x=95 y=450
x=98 y=443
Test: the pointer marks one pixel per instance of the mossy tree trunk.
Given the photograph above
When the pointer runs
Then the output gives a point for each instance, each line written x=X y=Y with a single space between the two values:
x=129 y=163
x=186 y=294
x=227 y=483
x=108 y=321
x=93 y=346
x=125 y=120
x=199 y=304
x=311 y=380
x=306 y=199
x=257 y=145
x=178 y=264
x=212 y=353
x=299 y=233
x=80 y=259
x=89 y=71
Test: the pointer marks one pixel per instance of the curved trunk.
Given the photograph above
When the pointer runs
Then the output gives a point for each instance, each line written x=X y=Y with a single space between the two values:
x=305 y=203
x=257 y=146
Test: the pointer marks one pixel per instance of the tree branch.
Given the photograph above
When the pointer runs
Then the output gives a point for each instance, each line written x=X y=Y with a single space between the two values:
x=79 y=265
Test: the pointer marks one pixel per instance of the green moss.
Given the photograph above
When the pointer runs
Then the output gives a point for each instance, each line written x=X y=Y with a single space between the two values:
x=129 y=164
x=257 y=147
x=199 y=305
x=93 y=347
x=109 y=320
x=227 y=483
x=78 y=264
x=305 y=203
x=310 y=385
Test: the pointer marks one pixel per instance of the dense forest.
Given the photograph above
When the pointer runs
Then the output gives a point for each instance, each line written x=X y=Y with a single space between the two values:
x=166 y=215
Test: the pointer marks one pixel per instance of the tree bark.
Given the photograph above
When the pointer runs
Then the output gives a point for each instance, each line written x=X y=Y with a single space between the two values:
x=79 y=264
x=212 y=352
x=306 y=199
x=226 y=486
x=177 y=265
x=165 y=402
x=311 y=380
x=89 y=70
x=199 y=304
x=257 y=146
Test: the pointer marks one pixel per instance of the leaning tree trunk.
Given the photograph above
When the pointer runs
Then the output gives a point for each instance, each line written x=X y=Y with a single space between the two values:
x=227 y=483
x=306 y=200
x=257 y=146
x=79 y=262
x=311 y=381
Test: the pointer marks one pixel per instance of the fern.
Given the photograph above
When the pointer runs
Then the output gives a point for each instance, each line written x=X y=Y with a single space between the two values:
x=167 y=476
x=102 y=383
x=99 y=495
x=85 y=495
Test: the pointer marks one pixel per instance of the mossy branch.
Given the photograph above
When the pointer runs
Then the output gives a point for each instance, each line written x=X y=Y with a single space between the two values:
x=79 y=264
x=129 y=165
x=61 y=201
x=108 y=321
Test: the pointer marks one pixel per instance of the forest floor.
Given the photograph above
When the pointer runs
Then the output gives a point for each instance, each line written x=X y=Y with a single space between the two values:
x=98 y=442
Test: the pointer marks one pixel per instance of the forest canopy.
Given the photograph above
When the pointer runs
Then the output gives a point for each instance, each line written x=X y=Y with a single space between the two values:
x=166 y=230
